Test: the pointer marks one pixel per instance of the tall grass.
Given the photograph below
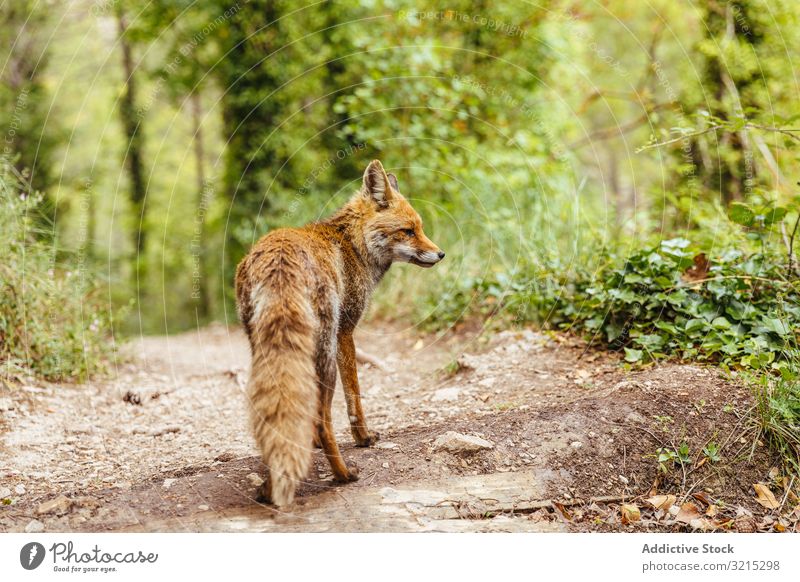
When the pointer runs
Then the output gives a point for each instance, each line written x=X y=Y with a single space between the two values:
x=777 y=415
x=51 y=322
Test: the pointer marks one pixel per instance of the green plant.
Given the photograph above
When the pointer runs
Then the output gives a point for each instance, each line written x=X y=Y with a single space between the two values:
x=52 y=323
x=712 y=452
x=777 y=413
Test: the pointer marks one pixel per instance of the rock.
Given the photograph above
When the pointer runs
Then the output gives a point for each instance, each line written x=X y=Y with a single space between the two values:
x=34 y=526
x=255 y=480
x=385 y=465
x=447 y=394
x=59 y=505
x=5 y=492
x=487 y=382
x=20 y=489
x=576 y=445
x=202 y=507
x=461 y=444
x=168 y=483
x=386 y=445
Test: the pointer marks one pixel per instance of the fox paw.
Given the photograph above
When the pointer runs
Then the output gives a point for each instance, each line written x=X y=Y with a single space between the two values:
x=372 y=438
x=352 y=474
x=264 y=492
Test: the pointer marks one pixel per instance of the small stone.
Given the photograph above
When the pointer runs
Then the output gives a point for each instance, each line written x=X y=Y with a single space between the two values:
x=576 y=444
x=202 y=507
x=624 y=479
x=446 y=394
x=20 y=489
x=386 y=445
x=34 y=526
x=385 y=465
x=458 y=444
x=5 y=492
x=487 y=382
x=255 y=479
x=60 y=505
x=168 y=483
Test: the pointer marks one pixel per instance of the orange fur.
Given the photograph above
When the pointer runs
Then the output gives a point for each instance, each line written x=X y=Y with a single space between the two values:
x=300 y=294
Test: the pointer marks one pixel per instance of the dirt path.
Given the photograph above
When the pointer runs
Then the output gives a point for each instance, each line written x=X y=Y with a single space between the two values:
x=568 y=436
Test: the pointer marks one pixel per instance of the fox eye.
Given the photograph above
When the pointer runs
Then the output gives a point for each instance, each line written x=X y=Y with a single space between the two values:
x=409 y=232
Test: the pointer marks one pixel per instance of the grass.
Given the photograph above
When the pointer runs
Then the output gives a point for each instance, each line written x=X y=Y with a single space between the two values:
x=777 y=415
x=52 y=324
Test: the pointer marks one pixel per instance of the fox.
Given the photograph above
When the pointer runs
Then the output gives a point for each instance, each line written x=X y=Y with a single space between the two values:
x=300 y=294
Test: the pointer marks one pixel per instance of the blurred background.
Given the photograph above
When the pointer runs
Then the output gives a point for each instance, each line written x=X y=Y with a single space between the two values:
x=147 y=145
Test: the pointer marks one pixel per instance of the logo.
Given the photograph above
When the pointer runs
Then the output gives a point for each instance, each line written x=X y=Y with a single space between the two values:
x=31 y=555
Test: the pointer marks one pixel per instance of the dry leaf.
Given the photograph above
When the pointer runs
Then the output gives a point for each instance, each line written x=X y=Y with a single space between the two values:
x=560 y=509
x=703 y=524
x=712 y=510
x=688 y=512
x=698 y=271
x=630 y=513
x=765 y=497
x=702 y=497
x=662 y=502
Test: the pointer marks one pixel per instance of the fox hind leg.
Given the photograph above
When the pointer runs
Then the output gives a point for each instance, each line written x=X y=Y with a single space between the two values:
x=342 y=472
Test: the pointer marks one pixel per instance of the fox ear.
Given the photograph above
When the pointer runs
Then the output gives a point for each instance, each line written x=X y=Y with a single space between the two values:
x=377 y=185
x=393 y=182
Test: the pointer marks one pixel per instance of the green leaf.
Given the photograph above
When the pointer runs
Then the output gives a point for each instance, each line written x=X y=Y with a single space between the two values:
x=694 y=325
x=633 y=356
x=741 y=213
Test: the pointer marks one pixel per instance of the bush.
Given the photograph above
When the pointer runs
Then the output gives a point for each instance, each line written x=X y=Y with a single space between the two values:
x=51 y=323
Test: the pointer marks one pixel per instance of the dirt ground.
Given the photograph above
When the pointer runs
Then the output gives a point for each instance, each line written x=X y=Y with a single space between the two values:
x=567 y=440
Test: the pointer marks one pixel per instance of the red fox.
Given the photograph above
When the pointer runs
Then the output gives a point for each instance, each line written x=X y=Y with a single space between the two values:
x=300 y=294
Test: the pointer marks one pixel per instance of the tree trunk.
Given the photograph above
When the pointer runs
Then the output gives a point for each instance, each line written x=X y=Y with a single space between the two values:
x=199 y=283
x=131 y=124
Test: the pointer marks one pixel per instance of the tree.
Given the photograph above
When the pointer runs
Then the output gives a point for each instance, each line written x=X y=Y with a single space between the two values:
x=131 y=120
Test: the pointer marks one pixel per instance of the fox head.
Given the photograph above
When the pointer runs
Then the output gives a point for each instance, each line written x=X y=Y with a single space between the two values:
x=392 y=228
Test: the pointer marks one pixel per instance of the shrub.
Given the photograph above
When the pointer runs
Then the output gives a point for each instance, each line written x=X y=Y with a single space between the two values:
x=51 y=323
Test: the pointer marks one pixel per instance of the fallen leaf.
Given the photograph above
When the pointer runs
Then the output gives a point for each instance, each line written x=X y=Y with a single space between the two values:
x=703 y=524
x=712 y=510
x=560 y=509
x=688 y=512
x=702 y=496
x=698 y=271
x=662 y=502
x=630 y=513
x=765 y=497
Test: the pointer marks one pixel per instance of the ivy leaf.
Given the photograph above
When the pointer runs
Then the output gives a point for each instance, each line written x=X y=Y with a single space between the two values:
x=742 y=214
x=633 y=356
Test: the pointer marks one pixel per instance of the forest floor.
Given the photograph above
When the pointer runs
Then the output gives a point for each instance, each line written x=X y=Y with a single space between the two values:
x=567 y=440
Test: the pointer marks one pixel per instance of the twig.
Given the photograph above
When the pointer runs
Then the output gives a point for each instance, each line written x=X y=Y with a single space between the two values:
x=744 y=277
x=786 y=495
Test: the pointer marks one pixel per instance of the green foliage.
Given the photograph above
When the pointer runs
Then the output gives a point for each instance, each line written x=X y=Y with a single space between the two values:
x=52 y=322
x=778 y=412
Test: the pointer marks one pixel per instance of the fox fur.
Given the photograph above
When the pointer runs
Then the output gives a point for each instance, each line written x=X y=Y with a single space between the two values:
x=300 y=294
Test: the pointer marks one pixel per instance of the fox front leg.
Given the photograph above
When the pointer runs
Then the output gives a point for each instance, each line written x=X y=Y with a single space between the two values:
x=349 y=374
